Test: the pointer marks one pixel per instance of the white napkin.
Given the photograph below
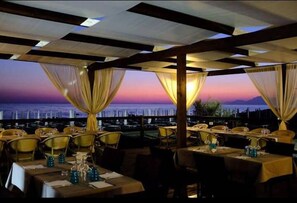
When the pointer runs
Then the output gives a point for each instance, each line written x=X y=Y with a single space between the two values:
x=34 y=166
x=58 y=183
x=222 y=147
x=110 y=175
x=242 y=157
x=199 y=150
x=100 y=184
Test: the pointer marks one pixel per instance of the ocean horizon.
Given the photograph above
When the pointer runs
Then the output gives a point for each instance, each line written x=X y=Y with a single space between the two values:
x=66 y=110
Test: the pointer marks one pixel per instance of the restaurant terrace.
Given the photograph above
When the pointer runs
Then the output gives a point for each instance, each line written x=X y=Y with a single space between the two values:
x=85 y=47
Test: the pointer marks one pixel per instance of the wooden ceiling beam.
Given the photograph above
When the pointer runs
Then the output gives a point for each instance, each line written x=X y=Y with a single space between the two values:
x=237 y=61
x=187 y=68
x=226 y=72
x=5 y=56
x=108 y=42
x=17 y=9
x=178 y=17
x=266 y=35
x=18 y=41
x=65 y=55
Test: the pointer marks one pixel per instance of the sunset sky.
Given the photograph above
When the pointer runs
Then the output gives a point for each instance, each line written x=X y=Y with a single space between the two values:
x=25 y=82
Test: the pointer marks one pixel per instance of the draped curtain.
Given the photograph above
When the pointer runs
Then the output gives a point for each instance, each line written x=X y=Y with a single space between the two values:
x=279 y=98
x=74 y=85
x=195 y=81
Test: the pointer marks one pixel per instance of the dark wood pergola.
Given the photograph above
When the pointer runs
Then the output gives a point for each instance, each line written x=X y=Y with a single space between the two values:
x=84 y=48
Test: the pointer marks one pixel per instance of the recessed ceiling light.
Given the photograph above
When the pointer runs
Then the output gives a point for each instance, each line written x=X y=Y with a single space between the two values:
x=15 y=56
x=42 y=43
x=89 y=22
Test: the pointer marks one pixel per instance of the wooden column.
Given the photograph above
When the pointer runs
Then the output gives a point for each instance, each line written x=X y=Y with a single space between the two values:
x=181 y=101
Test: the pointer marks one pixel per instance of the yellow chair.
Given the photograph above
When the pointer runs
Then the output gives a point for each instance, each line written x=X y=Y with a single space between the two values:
x=73 y=129
x=55 y=145
x=84 y=143
x=200 y=126
x=9 y=132
x=23 y=148
x=285 y=136
x=110 y=139
x=259 y=130
x=44 y=131
x=167 y=137
x=219 y=127
x=239 y=129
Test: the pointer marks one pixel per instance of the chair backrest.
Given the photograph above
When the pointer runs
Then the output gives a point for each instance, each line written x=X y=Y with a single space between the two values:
x=286 y=136
x=212 y=173
x=281 y=148
x=73 y=129
x=164 y=132
x=219 y=127
x=112 y=159
x=24 y=147
x=260 y=130
x=240 y=129
x=200 y=126
x=57 y=144
x=111 y=139
x=9 y=132
x=44 y=131
x=84 y=141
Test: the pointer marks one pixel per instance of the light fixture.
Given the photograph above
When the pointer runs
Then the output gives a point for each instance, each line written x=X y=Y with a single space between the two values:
x=15 y=56
x=89 y=22
x=41 y=43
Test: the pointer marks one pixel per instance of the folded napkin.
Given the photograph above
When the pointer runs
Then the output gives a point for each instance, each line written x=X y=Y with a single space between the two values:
x=242 y=157
x=221 y=147
x=100 y=184
x=58 y=183
x=34 y=166
x=110 y=175
x=199 y=150
x=260 y=153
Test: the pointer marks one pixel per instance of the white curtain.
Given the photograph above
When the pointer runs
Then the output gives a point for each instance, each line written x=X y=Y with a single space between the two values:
x=73 y=83
x=269 y=82
x=194 y=84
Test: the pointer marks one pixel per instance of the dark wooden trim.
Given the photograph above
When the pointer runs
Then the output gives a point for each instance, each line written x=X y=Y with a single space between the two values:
x=237 y=61
x=65 y=55
x=226 y=72
x=181 y=115
x=188 y=68
x=270 y=34
x=18 y=41
x=178 y=17
x=17 y=9
x=5 y=56
x=284 y=75
x=97 y=67
x=108 y=42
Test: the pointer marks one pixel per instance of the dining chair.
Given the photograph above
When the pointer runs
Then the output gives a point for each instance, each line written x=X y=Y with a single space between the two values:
x=219 y=127
x=285 y=136
x=84 y=143
x=73 y=129
x=240 y=129
x=260 y=130
x=110 y=139
x=55 y=145
x=166 y=137
x=200 y=126
x=9 y=132
x=111 y=159
x=44 y=131
x=212 y=174
x=23 y=148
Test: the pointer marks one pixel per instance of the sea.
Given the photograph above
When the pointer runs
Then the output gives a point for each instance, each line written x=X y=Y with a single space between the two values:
x=39 y=111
